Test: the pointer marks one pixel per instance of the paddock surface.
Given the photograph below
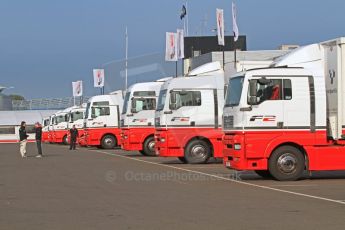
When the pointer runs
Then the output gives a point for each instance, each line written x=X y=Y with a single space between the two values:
x=114 y=189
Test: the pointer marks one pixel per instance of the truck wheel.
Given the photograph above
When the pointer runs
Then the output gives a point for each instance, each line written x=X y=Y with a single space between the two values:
x=286 y=163
x=182 y=159
x=263 y=173
x=108 y=142
x=149 y=147
x=197 y=152
x=65 y=140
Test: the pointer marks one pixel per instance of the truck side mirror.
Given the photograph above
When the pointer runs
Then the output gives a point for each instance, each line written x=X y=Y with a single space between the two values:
x=172 y=97
x=252 y=93
x=93 y=115
x=172 y=106
x=253 y=100
x=252 y=88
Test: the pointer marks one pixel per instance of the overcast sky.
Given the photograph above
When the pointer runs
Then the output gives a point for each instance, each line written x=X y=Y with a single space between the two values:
x=46 y=44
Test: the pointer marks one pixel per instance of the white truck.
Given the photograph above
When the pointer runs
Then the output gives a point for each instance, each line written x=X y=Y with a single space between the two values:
x=60 y=126
x=45 y=129
x=188 y=115
x=102 y=121
x=284 y=119
x=137 y=118
x=76 y=117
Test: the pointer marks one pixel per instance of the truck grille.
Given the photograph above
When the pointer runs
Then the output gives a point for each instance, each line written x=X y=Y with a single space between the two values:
x=228 y=122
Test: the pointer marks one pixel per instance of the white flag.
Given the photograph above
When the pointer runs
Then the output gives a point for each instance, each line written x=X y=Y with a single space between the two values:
x=77 y=88
x=220 y=27
x=170 y=47
x=180 y=44
x=234 y=22
x=98 y=78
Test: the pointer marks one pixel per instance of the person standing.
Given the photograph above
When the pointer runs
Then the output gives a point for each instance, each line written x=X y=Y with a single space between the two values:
x=23 y=138
x=38 y=137
x=73 y=137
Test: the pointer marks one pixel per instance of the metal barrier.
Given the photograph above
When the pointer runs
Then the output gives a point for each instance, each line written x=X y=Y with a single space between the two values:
x=48 y=104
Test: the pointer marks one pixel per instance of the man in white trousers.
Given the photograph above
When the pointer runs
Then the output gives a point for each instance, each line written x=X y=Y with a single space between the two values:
x=23 y=137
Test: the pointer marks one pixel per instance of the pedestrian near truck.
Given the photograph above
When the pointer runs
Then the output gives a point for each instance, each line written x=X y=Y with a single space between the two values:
x=23 y=139
x=38 y=137
x=73 y=137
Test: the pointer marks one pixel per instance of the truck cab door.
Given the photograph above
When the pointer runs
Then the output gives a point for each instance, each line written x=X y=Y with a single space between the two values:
x=142 y=110
x=184 y=107
x=267 y=113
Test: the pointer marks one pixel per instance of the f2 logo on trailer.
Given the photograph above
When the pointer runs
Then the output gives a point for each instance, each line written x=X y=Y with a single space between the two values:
x=263 y=118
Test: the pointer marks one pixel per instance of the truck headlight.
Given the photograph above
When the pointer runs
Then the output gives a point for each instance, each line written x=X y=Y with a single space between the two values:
x=237 y=146
x=162 y=140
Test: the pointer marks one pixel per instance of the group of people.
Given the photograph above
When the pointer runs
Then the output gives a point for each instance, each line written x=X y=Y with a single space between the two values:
x=23 y=138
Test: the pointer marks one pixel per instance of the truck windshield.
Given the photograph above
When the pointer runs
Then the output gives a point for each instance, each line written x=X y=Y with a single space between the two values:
x=125 y=104
x=60 y=118
x=140 y=104
x=76 y=116
x=161 y=99
x=233 y=95
x=87 y=111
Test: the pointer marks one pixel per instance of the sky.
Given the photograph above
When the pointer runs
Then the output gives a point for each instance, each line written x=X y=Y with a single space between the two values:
x=47 y=44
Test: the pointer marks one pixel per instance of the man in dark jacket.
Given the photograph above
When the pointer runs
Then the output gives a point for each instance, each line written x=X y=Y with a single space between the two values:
x=38 y=137
x=23 y=138
x=73 y=137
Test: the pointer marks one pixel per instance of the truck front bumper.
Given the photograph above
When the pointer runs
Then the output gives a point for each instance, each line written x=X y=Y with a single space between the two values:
x=166 y=145
x=234 y=154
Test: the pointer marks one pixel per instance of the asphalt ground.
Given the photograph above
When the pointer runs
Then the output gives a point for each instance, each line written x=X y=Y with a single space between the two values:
x=113 y=189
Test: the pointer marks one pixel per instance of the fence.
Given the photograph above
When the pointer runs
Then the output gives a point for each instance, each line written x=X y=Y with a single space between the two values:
x=48 y=104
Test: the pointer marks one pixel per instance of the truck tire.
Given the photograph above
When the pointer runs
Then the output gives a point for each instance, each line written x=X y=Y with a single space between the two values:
x=149 y=147
x=264 y=173
x=197 y=152
x=182 y=159
x=65 y=140
x=108 y=142
x=286 y=163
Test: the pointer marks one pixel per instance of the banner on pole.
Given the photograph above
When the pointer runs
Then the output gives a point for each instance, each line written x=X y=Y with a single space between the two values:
x=77 y=87
x=170 y=47
x=98 y=78
x=234 y=22
x=220 y=27
x=180 y=44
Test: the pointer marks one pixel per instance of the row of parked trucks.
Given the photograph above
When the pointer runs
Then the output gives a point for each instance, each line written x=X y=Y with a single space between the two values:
x=279 y=118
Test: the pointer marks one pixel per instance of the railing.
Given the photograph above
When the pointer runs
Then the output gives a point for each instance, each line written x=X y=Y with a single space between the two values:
x=47 y=104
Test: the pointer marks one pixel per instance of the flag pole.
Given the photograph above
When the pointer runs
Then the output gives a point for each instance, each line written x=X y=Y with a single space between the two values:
x=126 y=69
x=223 y=57
x=235 y=54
